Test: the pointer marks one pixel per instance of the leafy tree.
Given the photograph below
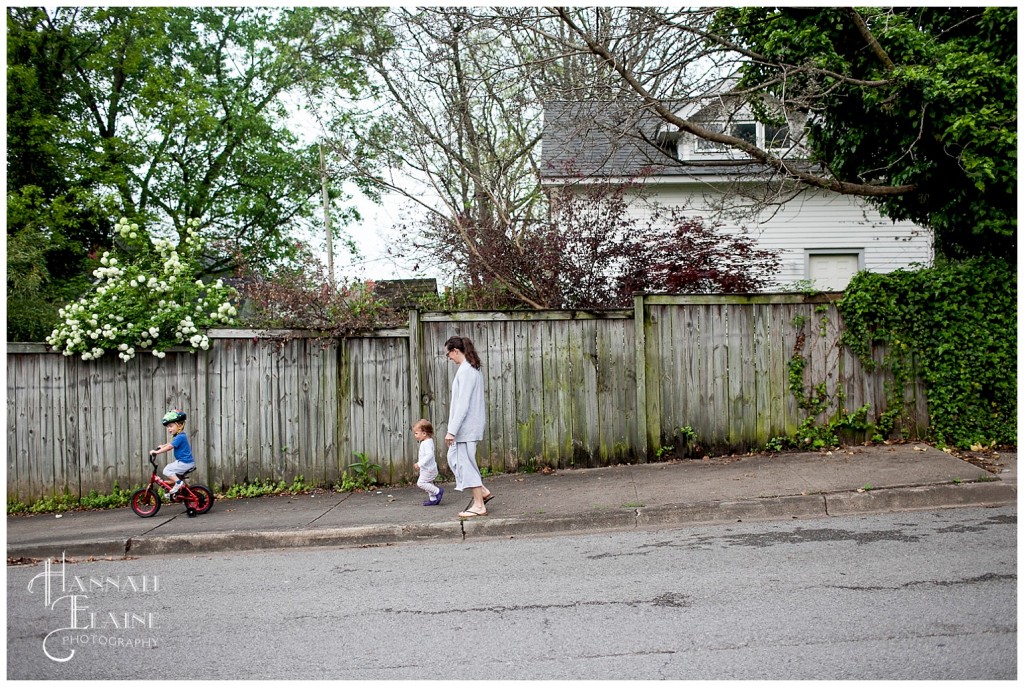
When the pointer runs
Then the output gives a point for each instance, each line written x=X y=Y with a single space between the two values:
x=466 y=87
x=164 y=114
x=52 y=224
x=49 y=247
x=913 y=109
x=924 y=97
x=469 y=117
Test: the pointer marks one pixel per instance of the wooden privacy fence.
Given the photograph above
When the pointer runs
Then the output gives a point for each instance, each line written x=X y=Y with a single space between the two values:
x=563 y=388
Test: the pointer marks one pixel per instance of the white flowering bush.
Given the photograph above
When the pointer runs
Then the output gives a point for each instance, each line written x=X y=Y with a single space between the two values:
x=145 y=301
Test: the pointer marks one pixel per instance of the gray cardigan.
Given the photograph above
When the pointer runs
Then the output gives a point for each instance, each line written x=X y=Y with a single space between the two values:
x=466 y=418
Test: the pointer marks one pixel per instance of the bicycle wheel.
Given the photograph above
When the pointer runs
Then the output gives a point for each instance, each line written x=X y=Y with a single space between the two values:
x=203 y=498
x=145 y=502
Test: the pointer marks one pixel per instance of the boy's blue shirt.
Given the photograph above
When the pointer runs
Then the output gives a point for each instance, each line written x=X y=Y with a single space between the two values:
x=182 y=449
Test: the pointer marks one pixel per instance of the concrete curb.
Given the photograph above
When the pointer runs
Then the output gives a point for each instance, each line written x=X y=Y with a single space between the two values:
x=718 y=512
x=974 y=494
x=922 y=498
x=107 y=548
x=588 y=521
x=365 y=535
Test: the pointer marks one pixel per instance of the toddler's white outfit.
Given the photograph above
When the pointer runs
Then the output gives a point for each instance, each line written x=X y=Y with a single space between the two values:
x=428 y=470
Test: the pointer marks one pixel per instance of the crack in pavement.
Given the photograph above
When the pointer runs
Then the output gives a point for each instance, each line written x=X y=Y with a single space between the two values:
x=128 y=542
x=666 y=600
x=340 y=501
x=987 y=577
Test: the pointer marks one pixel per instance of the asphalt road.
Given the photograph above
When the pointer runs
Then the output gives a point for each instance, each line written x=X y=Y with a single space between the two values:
x=923 y=595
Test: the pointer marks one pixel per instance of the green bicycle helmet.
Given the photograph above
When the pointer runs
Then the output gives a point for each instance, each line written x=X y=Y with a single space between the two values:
x=172 y=416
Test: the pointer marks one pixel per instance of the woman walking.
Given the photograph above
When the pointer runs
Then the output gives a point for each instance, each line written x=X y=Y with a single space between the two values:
x=466 y=422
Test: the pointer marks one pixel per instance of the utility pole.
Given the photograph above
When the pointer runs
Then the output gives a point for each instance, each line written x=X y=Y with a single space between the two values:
x=327 y=217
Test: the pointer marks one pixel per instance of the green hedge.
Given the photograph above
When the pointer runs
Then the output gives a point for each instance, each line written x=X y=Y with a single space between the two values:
x=957 y=324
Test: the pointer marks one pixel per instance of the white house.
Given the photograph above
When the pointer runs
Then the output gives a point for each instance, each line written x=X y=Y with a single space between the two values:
x=822 y=237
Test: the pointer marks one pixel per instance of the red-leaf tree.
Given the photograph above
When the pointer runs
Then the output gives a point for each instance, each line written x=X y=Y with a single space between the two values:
x=593 y=252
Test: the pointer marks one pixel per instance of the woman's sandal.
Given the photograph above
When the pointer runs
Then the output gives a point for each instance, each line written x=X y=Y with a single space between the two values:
x=471 y=514
x=486 y=499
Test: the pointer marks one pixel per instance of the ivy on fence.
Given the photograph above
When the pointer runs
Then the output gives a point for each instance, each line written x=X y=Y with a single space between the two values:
x=816 y=400
x=957 y=324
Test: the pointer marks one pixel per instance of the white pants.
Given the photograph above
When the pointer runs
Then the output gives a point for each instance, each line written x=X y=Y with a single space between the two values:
x=462 y=461
x=426 y=482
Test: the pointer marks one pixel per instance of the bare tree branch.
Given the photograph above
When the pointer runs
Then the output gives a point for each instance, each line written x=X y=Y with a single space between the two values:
x=661 y=108
x=869 y=38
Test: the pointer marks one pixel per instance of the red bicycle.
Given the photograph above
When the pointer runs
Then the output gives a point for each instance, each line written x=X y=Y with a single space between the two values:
x=198 y=498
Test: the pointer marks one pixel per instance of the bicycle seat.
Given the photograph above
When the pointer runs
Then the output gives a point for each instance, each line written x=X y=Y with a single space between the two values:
x=183 y=475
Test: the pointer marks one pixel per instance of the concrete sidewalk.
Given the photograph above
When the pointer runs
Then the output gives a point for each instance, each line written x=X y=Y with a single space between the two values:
x=852 y=480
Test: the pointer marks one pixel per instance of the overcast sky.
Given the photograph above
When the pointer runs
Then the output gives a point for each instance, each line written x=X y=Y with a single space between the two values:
x=374 y=233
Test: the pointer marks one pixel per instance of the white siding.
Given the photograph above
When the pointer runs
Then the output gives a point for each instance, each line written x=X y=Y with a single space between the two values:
x=814 y=221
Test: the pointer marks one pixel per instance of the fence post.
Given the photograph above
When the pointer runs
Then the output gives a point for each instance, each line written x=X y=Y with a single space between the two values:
x=344 y=401
x=640 y=337
x=201 y=362
x=415 y=394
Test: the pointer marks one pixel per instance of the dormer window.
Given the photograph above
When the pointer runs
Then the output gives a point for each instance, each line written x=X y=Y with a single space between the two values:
x=733 y=117
x=765 y=136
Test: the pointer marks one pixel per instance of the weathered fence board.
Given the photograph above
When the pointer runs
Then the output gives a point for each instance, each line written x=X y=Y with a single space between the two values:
x=22 y=375
x=529 y=391
x=762 y=389
x=380 y=404
x=235 y=414
x=563 y=388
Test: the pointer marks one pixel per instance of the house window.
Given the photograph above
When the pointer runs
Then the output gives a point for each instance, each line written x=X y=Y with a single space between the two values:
x=767 y=136
x=776 y=137
x=706 y=146
x=745 y=130
x=830 y=270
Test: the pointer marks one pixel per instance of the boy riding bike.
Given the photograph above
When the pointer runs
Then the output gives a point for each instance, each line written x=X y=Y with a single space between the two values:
x=174 y=421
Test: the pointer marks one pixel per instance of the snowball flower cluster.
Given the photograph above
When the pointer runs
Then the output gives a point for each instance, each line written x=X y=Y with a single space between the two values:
x=173 y=266
x=127 y=352
x=200 y=341
x=110 y=271
x=92 y=354
x=163 y=246
x=225 y=312
x=126 y=229
x=143 y=301
x=185 y=327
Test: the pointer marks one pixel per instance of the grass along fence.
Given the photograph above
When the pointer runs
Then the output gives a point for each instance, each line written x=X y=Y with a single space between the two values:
x=563 y=388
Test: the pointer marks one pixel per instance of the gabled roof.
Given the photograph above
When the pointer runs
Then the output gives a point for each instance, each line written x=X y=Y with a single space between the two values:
x=616 y=139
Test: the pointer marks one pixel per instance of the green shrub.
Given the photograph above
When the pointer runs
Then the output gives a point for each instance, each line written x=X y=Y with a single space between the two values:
x=117 y=498
x=955 y=324
x=364 y=474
